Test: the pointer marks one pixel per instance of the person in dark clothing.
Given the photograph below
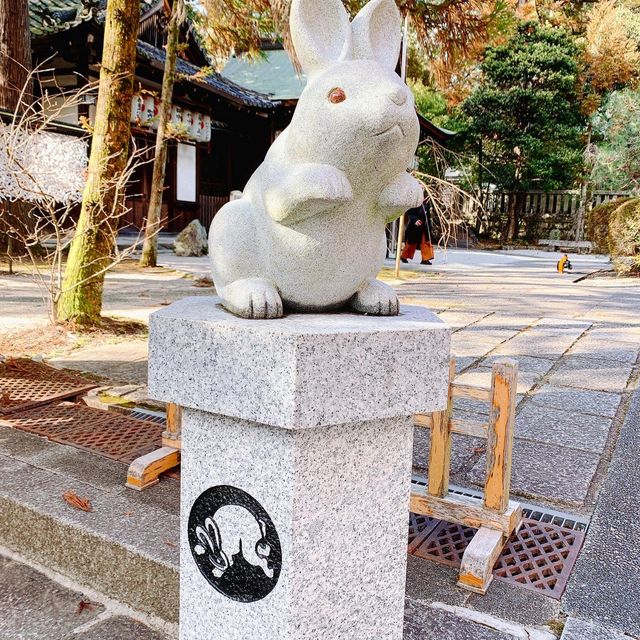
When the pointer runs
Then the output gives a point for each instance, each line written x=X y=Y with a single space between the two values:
x=417 y=233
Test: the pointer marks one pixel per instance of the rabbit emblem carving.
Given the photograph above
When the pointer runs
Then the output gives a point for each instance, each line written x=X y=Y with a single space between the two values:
x=308 y=232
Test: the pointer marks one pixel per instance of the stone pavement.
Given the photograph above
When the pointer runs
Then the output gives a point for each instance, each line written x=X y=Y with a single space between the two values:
x=35 y=607
x=577 y=345
x=604 y=585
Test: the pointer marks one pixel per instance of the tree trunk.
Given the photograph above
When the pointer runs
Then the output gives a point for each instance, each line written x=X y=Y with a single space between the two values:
x=585 y=190
x=15 y=53
x=515 y=209
x=102 y=203
x=15 y=88
x=152 y=225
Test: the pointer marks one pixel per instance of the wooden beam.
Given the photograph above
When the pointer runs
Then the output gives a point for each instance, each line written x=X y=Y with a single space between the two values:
x=500 y=434
x=467 y=511
x=476 y=568
x=471 y=391
x=172 y=436
x=465 y=427
x=440 y=450
x=145 y=471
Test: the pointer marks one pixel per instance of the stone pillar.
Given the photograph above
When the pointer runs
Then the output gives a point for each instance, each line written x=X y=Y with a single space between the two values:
x=296 y=460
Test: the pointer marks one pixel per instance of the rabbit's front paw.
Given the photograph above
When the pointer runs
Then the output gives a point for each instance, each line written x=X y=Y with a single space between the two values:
x=376 y=298
x=333 y=185
x=403 y=193
x=252 y=298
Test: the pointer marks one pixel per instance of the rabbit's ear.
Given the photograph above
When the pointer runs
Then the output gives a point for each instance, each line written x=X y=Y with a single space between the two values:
x=320 y=32
x=377 y=33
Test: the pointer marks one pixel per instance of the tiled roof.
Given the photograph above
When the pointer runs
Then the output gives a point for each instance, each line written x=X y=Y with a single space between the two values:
x=273 y=74
x=214 y=82
x=53 y=16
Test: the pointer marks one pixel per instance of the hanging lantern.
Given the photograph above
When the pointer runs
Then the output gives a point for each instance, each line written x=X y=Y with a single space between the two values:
x=137 y=105
x=187 y=121
x=206 y=129
x=196 y=129
x=176 y=115
x=147 y=110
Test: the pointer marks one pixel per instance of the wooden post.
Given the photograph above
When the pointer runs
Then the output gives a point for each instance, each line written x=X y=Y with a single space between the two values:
x=172 y=436
x=476 y=568
x=399 y=243
x=145 y=471
x=500 y=434
x=440 y=451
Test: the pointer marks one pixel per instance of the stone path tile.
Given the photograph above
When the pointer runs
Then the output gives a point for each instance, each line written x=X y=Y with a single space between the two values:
x=463 y=449
x=37 y=608
x=562 y=428
x=119 y=628
x=502 y=321
x=481 y=376
x=542 y=471
x=598 y=403
x=457 y=318
x=587 y=373
x=624 y=333
x=594 y=346
x=476 y=343
x=575 y=629
x=421 y=622
x=126 y=361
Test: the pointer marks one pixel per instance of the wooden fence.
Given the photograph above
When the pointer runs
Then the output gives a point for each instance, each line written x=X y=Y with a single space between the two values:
x=542 y=211
x=209 y=206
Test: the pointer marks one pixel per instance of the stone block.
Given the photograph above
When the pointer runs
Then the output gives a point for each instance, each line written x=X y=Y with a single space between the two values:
x=318 y=490
x=563 y=428
x=588 y=373
x=599 y=403
x=548 y=472
x=575 y=629
x=302 y=371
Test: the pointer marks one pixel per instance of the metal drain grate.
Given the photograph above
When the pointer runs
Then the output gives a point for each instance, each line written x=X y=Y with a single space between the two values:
x=106 y=433
x=419 y=528
x=530 y=511
x=539 y=557
x=446 y=543
x=25 y=383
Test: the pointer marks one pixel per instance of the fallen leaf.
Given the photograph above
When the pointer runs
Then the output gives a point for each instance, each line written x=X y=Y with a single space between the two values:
x=72 y=498
x=85 y=604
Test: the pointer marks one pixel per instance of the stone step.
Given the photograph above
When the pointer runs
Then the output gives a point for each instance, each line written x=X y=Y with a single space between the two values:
x=126 y=547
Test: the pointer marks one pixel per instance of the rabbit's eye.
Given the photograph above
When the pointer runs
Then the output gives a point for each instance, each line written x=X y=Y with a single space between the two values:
x=337 y=95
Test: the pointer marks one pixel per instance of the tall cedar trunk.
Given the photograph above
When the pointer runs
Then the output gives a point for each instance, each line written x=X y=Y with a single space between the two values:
x=515 y=209
x=152 y=225
x=15 y=65
x=585 y=190
x=93 y=243
x=15 y=53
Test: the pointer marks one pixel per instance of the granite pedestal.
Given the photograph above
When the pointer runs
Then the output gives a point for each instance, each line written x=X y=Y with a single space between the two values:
x=296 y=460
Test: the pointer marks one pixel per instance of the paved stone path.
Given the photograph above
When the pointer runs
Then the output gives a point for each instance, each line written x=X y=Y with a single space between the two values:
x=35 y=607
x=576 y=343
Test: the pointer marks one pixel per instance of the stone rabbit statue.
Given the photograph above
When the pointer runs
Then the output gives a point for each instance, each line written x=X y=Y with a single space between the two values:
x=308 y=233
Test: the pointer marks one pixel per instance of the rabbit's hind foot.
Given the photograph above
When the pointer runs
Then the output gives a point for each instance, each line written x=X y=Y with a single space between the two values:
x=253 y=298
x=375 y=298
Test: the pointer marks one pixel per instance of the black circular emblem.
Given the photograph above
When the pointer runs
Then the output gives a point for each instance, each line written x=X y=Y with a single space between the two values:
x=234 y=543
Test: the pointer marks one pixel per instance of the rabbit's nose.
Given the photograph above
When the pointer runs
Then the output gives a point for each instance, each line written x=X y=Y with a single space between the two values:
x=398 y=95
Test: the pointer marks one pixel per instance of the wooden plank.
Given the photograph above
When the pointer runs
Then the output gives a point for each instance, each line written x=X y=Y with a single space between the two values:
x=440 y=451
x=464 y=427
x=504 y=383
x=466 y=511
x=172 y=435
x=471 y=391
x=145 y=471
x=476 y=568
